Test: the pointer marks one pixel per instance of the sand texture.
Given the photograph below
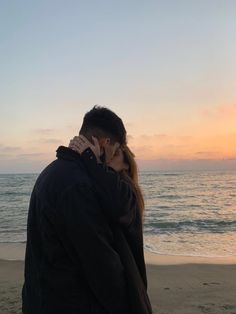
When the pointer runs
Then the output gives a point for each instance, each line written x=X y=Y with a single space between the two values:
x=173 y=289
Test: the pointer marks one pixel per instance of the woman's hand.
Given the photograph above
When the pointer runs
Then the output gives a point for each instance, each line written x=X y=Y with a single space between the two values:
x=81 y=143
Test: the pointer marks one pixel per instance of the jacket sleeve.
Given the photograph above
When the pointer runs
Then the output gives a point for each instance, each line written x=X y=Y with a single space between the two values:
x=87 y=235
x=115 y=194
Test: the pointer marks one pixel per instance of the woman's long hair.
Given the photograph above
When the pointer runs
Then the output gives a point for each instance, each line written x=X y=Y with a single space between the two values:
x=131 y=175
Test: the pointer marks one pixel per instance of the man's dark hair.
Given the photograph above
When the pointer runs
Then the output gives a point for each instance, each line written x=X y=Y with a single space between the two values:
x=102 y=122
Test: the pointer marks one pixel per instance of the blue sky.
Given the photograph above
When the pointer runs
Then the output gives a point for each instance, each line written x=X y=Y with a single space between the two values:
x=166 y=67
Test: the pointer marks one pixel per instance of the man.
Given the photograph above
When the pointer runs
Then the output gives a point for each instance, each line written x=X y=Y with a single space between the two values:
x=71 y=266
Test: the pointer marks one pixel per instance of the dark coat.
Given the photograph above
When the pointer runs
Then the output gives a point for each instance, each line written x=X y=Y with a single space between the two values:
x=71 y=263
x=138 y=299
x=118 y=201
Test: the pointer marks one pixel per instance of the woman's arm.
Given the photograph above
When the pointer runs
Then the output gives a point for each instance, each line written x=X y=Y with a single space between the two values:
x=115 y=194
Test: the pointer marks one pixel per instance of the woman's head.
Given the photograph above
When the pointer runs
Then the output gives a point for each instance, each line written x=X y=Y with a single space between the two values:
x=130 y=162
x=124 y=162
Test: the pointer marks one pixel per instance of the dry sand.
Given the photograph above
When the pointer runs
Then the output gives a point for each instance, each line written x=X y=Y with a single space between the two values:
x=177 y=288
x=11 y=278
x=193 y=289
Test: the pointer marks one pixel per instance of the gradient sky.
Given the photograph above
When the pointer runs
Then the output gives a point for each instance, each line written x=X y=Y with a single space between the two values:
x=168 y=68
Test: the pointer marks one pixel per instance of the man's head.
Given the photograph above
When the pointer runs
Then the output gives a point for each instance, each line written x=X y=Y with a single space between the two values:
x=107 y=127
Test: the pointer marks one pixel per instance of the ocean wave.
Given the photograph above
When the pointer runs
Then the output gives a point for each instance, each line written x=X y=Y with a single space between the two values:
x=171 y=174
x=209 y=225
x=169 y=196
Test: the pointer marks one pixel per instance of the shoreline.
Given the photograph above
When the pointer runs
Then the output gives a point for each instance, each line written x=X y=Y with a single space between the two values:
x=16 y=252
x=159 y=259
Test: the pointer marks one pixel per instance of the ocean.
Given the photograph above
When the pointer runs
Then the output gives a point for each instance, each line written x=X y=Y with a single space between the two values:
x=189 y=213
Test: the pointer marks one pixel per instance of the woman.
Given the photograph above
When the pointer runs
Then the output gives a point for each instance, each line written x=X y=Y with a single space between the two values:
x=122 y=201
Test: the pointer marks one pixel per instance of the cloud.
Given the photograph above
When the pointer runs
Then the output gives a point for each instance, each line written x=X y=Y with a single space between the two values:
x=33 y=155
x=220 y=112
x=129 y=125
x=50 y=141
x=187 y=164
x=227 y=110
x=162 y=137
x=184 y=147
x=46 y=141
x=159 y=142
x=143 y=151
x=207 y=153
x=44 y=131
x=153 y=136
x=71 y=127
x=129 y=137
x=9 y=149
x=4 y=156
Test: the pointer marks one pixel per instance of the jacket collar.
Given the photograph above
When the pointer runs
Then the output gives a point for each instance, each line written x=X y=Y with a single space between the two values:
x=67 y=153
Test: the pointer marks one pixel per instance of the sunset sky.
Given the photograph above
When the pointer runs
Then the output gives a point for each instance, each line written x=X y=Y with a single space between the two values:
x=166 y=67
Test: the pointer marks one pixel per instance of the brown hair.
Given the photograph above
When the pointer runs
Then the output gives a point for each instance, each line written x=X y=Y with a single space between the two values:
x=131 y=175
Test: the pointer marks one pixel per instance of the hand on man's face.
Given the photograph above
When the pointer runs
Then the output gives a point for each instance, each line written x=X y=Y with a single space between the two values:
x=109 y=151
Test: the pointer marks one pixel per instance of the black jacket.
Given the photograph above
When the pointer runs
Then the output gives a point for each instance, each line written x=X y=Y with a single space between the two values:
x=71 y=263
x=118 y=201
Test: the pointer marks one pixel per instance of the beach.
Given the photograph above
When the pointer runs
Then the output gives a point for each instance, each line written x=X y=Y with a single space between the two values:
x=192 y=288
x=176 y=285
x=11 y=278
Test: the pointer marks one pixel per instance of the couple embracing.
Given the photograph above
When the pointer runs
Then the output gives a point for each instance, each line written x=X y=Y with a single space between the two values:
x=84 y=252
